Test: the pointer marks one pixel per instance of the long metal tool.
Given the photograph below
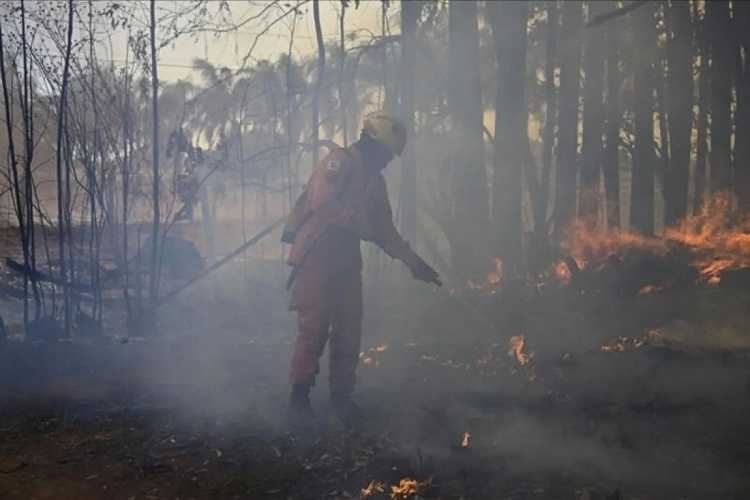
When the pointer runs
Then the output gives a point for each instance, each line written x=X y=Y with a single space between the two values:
x=216 y=265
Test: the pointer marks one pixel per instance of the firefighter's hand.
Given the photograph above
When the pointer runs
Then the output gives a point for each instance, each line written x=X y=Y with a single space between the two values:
x=422 y=271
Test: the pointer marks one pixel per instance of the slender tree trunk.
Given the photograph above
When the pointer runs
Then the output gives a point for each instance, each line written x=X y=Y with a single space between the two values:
x=593 y=114
x=408 y=191
x=722 y=65
x=154 y=272
x=342 y=67
x=318 y=81
x=644 y=161
x=511 y=128
x=567 y=129
x=704 y=81
x=679 y=107
x=614 y=117
x=742 y=139
x=469 y=256
x=550 y=119
x=15 y=187
x=62 y=202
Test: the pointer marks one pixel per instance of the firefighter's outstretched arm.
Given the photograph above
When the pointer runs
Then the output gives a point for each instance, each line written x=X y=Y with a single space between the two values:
x=388 y=238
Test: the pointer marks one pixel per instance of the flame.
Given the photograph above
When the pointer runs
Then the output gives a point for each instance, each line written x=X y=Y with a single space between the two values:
x=517 y=343
x=372 y=489
x=408 y=488
x=562 y=272
x=717 y=240
x=465 y=440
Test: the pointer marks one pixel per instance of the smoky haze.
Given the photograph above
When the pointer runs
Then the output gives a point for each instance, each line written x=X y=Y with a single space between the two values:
x=575 y=172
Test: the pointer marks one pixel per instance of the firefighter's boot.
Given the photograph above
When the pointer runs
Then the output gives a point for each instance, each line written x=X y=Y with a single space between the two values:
x=299 y=412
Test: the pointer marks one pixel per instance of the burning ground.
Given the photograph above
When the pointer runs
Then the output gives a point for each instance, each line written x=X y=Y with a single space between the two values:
x=623 y=371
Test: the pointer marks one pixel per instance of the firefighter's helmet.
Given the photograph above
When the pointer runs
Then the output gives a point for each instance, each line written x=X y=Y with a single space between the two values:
x=386 y=130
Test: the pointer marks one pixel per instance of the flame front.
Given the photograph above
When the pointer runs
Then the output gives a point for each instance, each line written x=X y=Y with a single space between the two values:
x=717 y=239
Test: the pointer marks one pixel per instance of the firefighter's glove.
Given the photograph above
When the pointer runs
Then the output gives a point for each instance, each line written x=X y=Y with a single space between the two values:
x=422 y=271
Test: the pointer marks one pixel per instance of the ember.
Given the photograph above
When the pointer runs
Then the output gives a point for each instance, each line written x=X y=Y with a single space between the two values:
x=465 y=440
x=373 y=488
x=517 y=343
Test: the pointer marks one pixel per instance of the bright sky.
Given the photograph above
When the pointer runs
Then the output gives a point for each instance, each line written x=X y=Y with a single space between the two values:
x=228 y=49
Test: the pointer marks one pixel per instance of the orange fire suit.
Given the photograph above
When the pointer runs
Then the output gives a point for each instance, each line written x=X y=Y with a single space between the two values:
x=344 y=202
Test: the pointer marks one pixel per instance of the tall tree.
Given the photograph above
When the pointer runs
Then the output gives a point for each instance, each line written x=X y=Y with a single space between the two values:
x=62 y=200
x=593 y=113
x=567 y=129
x=511 y=127
x=154 y=276
x=742 y=140
x=679 y=107
x=611 y=160
x=550 y=119
x=469 y=255
x=318 y=81
x=704 y=80
x=410 y=12
x=644 y=161
x=719 y=25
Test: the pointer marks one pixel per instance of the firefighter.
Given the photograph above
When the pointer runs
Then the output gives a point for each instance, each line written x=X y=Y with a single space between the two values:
x=345 y=201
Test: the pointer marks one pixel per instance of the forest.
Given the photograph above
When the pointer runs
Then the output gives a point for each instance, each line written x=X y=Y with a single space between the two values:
x=576 y=171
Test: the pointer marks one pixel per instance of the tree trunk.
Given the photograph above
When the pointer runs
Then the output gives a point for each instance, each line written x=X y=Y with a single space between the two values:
x=742 y=139
x=511 y=128
x=644 y=161
x=154 y=271
x=61 y=201
x=614 y=117
x=722 y=64
x=567 y=129
x=679 y=107
x=408 y=192
x=550 y=119
x=701 y=154
x=593 y=114
x=470 y=255
x=318 y=82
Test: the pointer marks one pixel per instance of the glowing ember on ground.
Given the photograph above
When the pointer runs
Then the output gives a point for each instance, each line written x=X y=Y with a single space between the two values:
x=465 y=440
x=373 y=488
x=408 y=488
x=517 y=343
x=648 y=289
x=562 y=272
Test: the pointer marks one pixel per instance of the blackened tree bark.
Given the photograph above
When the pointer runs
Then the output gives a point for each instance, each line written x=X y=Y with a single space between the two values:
x=644 y=161
x=567 y=129
x=719 y=25
x=469 y=255
x=593 y=113
x=742 y=139
x=679 y=106
x=611 y=161
x=511 y=128
x=410 y=12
